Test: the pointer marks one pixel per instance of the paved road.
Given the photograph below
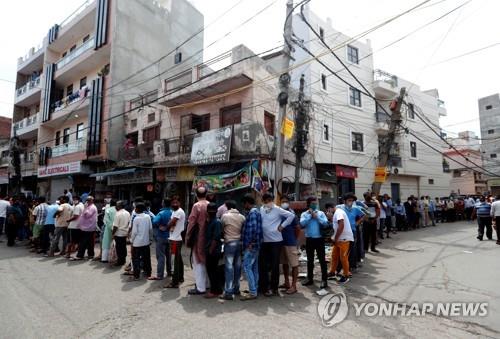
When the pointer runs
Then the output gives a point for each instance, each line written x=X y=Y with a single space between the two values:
x=54 y=298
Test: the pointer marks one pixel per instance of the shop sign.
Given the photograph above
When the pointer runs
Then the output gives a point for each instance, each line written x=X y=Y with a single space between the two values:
x=288 y=127
x=140 y=176
x=211 y=147
x=380 y=174
x=219 y=183
x=346 y=172
x=62 y=169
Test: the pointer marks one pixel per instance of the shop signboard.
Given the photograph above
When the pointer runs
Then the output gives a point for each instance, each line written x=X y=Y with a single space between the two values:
x=227 y=182
x=61 y=169
x=140 y=176
x=211 y=147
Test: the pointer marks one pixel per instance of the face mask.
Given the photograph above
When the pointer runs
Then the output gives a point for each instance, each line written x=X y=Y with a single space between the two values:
x=349 y=204
x=285 y=205
x=314 y=206
x=107 y=200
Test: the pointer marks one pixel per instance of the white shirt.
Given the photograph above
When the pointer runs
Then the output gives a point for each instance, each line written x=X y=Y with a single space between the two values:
x=383 y=214
x=122 y=219
x=142 y=229
x=272 y=219
x=3 y=208
x=64 y=215
x=469 y=203
x=77 y=210
x=495 y=209
x=175 y=234
x=347 y=232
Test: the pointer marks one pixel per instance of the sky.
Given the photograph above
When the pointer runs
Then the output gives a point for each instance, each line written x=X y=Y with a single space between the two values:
x=422 y=58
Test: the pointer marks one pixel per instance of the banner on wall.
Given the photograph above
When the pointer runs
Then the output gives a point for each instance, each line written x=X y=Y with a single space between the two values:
x=227 y=182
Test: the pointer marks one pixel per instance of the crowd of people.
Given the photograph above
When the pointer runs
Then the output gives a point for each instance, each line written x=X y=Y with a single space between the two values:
x=224 y=241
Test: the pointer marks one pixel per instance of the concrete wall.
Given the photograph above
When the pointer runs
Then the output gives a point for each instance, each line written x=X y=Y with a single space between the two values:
x=489 y=119
x=142 y=32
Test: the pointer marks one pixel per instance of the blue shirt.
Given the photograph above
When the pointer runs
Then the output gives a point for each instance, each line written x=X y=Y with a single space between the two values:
x=483 y=209
x=312 y=225
x=252 y=230
x=51 y=210
x=288 y=233
x=432 y=206
x=354 y=214
x=400 y=209
x=162 y=219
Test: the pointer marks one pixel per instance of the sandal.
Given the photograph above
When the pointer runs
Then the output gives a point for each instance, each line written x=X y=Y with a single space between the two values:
x=75 y=259
x=154 y=278
x=128 y=273
x=291 y=291
x=171 y=285
x=284 y=287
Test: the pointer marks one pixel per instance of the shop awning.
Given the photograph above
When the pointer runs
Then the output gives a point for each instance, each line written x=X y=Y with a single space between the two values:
x=107 y=174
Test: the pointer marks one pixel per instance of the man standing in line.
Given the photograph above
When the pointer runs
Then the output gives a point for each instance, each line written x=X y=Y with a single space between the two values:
x=176 y=227
x=120 y=233
x=483 y=212
x=87 y=224
x=469 y=207
x=389 y=220
x=195 y=234
x=40 y=213
x=232 y=222
x=274 y=220
x=4 y=204
x=495 y=214
x=432 y=210
x=213 y=247
x=341 y=241
x=49 y=227
x=161 y=234
x=74 y=231
x=107 y=237
x=289 y=252
x=450 y=207
x=251 y=240
x=314 y=220
x=370 y=224
x=142 y=232
x=69 y=195
x=62 y=215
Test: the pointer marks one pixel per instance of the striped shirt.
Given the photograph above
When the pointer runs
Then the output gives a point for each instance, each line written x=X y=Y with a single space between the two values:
x=40 y=212
x=483 y=209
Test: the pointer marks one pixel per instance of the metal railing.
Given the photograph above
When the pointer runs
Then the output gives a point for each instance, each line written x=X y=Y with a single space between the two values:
x=73 y=15
x=30 y=85
x=70 y=99
x=31 y=52
x=70 y=147
x=75 y=53
x=26 y=122
x=380 y=75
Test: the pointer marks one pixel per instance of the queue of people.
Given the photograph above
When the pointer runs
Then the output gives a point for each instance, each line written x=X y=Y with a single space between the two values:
x=225 y=242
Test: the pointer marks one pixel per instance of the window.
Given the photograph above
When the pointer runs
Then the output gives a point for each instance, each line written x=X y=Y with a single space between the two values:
x=357 y=142
x=413 y=149
x=178 y=58
x=489 y=107
x=151 y=117
x=64 y=54
x=66 y=135
x=326 y=133
x=431 y=181
x=491 y=131
x=133 y=123
x=58 y=137
x=79 y=131
x=411 y=111
x=230 y=115
x=354 y=97
x=69 y=90
x=457 y=174
x=323 y=82
x=269 y=123
x=72 y=48
x=322 y=33
x=86 y=38
x=83 y=82
x=352 y=54
x=493 y=155
x=151 y=134
x=136 y=103
x=200 y=123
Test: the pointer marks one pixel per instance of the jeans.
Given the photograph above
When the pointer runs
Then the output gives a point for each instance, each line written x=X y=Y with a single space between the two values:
x=58 y=233
x=2 y=223
x=232 y=263
x=370 y=234
x=47 y=232
x=162 y=255
x=484 y=222
x=213 y=273
x=269 y=260
x=175 y=248
x=432 y=218
x=251 y=267
x=86 y=244
x=381 y=228
x=121 y=250
x=141 y=255
x=353 y=252
x=316 y=245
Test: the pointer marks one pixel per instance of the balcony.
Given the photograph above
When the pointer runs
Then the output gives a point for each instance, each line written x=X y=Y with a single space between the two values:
x=79 y=145
x=76 y=104
x=29 y=93
x=133 y=155
x=28 y=164
x=32 y=61
x=211 y=78
x=382 y=122
x=441 y=108
x=385 y=84
x=75 y=53
x=27 y=128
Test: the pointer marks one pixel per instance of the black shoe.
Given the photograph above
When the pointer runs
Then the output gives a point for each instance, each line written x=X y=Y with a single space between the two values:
x=479 y=238
x=308 y=282
x=226 y=297
x=344 y=280
x=324 y=284
x=194 y=291
x=375 y=250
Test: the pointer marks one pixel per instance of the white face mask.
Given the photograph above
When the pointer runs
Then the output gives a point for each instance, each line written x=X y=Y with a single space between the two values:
x=349 y=204
x=285 y=205
x=269 y=205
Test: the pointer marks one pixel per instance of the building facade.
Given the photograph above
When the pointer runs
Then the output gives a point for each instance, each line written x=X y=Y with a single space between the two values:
x=5 y=131
x=71 y=91
x=489 y=119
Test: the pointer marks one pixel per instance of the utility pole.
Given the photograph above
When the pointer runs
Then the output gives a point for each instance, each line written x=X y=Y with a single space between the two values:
x=389 y=140
x=14 y=152
x=301 y=134
x=284 y=82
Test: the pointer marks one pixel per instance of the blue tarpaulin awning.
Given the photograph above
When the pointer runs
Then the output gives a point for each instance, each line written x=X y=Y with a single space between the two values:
x=107 y=174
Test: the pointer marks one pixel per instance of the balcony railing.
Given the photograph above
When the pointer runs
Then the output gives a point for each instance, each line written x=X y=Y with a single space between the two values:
x=73 y=15
x=133 y=154
x=28 y=86
x=31 y=52
x=381 y=116
x=75 y=53
x=25 y=123
x=81 y=94
x=379 y=75
x=180 y=145
x=78 y=145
